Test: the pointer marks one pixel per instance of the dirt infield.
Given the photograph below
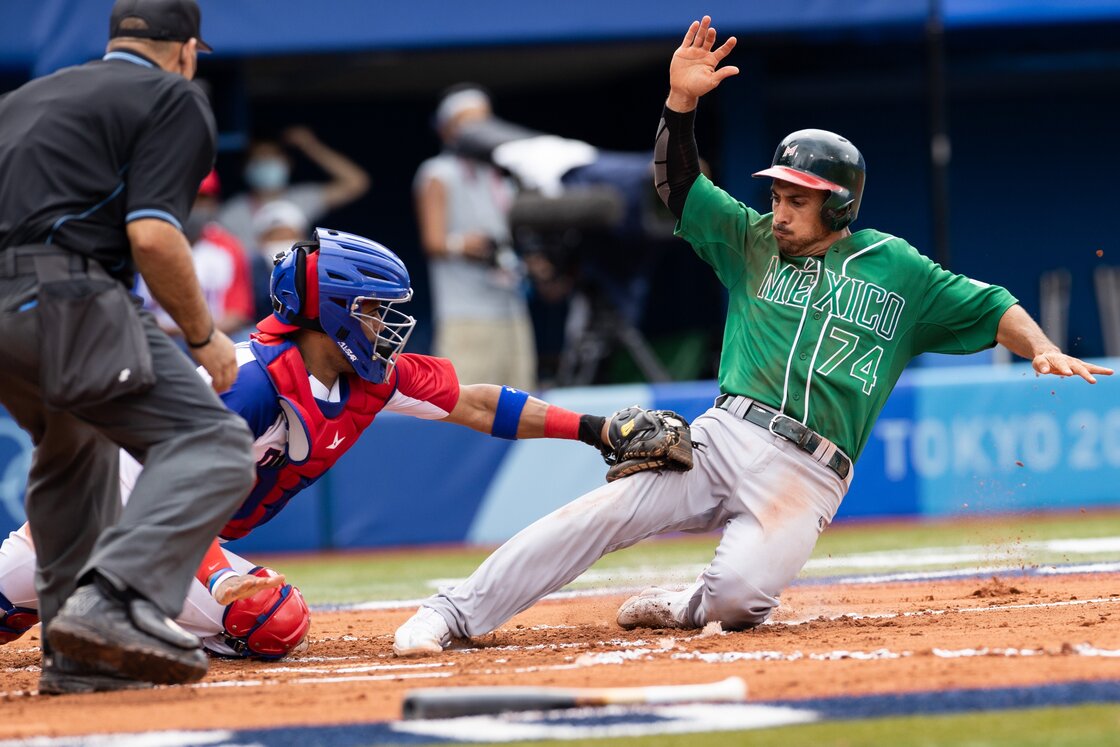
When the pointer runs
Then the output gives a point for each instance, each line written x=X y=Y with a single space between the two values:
x=826 y=641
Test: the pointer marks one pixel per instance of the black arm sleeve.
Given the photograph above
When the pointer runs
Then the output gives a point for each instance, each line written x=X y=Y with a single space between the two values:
x=676 y=160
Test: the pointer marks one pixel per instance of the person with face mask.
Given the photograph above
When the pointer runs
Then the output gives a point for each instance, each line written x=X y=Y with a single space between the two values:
x=267 y=173
x=275 y=227
x=221 y=264
x=462 y=209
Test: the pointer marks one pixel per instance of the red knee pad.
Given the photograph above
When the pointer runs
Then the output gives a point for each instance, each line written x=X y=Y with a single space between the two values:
x=268 y=624
x=15 y=621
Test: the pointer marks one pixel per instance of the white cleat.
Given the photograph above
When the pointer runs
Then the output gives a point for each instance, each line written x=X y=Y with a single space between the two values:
x=650 y=609
x=426 y=632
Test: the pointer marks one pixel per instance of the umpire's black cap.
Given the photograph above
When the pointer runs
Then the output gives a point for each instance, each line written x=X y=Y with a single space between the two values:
x=166 y=20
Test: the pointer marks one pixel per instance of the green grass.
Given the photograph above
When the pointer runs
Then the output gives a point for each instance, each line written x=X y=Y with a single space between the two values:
x=1002 y=540
x=406 y=574
x=1082 y=726
x=994 y=530
x=340 y=578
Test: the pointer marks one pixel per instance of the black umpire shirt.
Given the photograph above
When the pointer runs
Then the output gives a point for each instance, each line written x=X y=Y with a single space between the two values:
x=90 y=148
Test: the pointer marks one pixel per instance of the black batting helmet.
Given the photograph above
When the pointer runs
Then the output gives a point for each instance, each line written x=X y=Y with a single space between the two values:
x=819 y=159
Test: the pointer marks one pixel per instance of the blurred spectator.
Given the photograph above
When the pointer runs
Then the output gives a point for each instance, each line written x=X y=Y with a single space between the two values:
x=219 y=262
x=592 y=231
x=267 y=172
x=276 y=226
x=481 y=317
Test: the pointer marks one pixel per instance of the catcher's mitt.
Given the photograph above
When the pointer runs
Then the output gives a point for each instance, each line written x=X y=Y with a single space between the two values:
x=646 y=439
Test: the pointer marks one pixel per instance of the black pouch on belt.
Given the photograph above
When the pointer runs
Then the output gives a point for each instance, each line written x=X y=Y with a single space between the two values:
x=92 y=345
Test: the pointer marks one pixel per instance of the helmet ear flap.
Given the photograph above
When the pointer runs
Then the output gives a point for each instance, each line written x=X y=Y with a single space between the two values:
x=301 y=277
x=297 y=298
x=838 y=209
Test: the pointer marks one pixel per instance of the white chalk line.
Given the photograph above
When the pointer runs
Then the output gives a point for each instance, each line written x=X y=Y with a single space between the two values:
x=988 y=560
x=355 y=669
x=585 y=723
x=397 y=671
x=927 y=556
x=681 y=719
x=669 y=646
x=666 y=646
x=1091 y=568
x=396 y=604
x=1080 y=649
x=146 y=739
x=322 y=680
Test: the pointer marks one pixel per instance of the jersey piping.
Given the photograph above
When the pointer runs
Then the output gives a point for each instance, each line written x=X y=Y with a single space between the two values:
x=824 y=327
x=127 y=57
x=152 y=213
x=87 y=213
x=797 y=337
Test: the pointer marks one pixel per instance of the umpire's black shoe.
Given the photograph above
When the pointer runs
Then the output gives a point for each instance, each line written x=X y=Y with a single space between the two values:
x=130 y=637
x=63 y=676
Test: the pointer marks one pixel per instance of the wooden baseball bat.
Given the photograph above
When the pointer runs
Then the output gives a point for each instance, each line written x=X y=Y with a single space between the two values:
x=450 y=702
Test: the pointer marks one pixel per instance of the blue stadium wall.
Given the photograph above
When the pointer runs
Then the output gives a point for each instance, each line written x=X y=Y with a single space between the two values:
x=952 y=441
x=1025 y=84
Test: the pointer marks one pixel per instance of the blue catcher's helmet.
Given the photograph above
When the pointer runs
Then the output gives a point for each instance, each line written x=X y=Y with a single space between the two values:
x=344 y=285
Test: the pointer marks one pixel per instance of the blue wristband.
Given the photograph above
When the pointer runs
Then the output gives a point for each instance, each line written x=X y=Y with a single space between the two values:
x=507 y=416
x=219 y=575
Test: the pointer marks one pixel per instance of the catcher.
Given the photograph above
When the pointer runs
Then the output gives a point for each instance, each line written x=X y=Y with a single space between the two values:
x=820 y=324
x=311 y=381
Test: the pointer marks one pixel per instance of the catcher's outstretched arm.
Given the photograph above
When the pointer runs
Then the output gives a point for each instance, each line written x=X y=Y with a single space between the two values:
x=509 y=413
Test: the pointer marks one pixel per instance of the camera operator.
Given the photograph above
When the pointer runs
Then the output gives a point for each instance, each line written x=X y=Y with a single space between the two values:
x=462 y=205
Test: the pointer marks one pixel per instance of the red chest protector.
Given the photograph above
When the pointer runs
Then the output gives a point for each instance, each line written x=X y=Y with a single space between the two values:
x=315 y=441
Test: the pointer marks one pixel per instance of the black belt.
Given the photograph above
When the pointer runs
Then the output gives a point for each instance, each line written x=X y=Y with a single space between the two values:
x=21 y=260
x=783 y=425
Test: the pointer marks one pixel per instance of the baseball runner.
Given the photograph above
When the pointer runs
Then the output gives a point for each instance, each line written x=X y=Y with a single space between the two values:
x=315 y=376
x=820 y=324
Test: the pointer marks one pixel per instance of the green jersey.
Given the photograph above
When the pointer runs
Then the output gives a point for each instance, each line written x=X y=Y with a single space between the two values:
x=824 y=339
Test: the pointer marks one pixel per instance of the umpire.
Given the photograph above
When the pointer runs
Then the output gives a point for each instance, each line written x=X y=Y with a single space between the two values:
x=99 y=164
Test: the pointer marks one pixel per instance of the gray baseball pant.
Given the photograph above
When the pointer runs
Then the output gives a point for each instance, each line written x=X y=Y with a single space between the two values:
x=197 y=468
x=771 y=499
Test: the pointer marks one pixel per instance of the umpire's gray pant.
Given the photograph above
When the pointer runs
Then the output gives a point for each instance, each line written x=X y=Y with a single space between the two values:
x=196 y=455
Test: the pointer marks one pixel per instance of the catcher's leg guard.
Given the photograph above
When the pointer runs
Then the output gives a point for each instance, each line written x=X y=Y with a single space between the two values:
x=269 y=624
x=15 y=621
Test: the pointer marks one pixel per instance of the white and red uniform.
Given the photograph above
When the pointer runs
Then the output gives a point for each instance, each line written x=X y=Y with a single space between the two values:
x=271 y=370
x=420 y=385
x=223 y=274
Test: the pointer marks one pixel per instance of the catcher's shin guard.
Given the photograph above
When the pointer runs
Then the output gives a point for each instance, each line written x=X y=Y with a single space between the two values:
x=269 y=624
x=15 y=621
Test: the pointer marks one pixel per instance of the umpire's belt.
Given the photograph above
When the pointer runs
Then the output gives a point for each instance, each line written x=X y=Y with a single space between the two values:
x=31 y=259
x=806 y=439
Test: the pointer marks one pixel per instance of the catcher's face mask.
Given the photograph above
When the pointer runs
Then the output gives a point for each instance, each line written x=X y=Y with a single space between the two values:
x=385 y=327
